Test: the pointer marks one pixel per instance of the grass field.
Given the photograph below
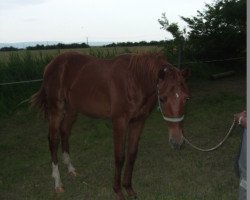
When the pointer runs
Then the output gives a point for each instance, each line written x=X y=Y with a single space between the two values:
x=160 y=172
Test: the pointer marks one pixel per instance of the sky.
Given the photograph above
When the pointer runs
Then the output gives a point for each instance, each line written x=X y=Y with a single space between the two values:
x=98 y=20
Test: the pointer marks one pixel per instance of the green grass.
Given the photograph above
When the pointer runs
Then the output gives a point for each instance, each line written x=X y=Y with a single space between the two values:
x=160 y=173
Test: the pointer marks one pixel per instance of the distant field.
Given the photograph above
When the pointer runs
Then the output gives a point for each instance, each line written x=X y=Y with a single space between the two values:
x=160 y=172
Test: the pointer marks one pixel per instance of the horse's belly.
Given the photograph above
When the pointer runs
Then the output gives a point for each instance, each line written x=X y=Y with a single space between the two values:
x=93 y=106
x=98 y=110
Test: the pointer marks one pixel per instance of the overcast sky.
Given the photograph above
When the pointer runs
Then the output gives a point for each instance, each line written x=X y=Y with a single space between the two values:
x=99 y=20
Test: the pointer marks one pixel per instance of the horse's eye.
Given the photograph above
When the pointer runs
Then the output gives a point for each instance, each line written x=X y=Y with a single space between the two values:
x=188 y=98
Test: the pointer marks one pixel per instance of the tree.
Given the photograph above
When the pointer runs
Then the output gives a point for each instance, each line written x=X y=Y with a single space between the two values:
x=179 y=37
x=219 y=31
x=172 y=28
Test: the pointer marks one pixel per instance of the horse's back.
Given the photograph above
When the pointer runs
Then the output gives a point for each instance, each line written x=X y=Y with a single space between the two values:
x=99 y=83
x=69 y=63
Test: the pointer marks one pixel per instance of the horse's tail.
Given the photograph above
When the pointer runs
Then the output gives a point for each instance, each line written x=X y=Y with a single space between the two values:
x=39 y=100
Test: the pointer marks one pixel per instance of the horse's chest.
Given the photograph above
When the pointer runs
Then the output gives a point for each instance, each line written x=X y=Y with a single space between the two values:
x=142 y=112
x=144 y=109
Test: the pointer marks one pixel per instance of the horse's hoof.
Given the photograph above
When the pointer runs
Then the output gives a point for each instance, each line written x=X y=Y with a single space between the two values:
x=119 y=196
x=132 y=196
x=131 y=193
x=73 y=174
x=59 y=189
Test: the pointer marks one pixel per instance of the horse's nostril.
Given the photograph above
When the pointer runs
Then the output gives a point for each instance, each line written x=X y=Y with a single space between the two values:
x=174 y=145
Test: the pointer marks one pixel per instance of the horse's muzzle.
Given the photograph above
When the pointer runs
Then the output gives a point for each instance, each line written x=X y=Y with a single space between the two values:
x=175 y=145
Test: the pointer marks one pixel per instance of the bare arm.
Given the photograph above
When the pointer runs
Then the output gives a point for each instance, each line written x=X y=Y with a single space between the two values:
x=241 y=119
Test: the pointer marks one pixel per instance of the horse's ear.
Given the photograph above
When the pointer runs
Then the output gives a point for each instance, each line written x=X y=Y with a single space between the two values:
x=186 y=73
x=162 y=73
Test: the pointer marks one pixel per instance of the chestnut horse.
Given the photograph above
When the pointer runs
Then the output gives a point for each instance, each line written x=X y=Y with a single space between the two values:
x=124 y=89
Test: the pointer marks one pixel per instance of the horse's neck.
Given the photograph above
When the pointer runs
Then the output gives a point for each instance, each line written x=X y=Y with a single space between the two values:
x=144 y=72
x=146 y=81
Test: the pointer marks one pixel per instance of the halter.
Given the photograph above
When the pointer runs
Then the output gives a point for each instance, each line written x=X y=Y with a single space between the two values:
x=167 y=118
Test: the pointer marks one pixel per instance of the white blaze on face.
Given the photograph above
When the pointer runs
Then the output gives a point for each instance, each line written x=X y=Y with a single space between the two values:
x=177 y=95
x=56 y=176
x=67 y=161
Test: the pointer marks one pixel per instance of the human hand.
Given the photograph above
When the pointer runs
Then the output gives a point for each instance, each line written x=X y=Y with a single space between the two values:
x=241 y=118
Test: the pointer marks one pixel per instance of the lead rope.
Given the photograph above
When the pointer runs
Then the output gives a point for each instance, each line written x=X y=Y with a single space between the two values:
x=213 y=148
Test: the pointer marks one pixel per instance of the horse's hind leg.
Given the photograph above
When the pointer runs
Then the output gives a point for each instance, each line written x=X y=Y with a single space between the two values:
x=55 y=117
x=66 y=126
x=135 y=129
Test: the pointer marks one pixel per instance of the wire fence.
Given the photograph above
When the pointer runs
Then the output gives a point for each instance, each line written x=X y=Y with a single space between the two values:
x=193 y=62
x=20 y=82
x=211 y=61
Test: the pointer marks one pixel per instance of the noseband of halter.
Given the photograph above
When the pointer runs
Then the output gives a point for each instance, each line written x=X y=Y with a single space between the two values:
x=172 y=119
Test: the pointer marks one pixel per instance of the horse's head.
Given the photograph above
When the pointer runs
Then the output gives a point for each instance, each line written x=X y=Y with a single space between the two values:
x=172 y=95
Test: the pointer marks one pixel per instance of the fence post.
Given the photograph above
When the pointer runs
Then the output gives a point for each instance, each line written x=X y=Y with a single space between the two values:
x=179 y=55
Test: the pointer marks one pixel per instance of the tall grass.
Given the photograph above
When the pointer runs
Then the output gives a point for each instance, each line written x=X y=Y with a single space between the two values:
x=20 y=68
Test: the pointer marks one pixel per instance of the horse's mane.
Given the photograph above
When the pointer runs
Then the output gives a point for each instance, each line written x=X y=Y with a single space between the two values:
x=146 y=65
x=145 y=59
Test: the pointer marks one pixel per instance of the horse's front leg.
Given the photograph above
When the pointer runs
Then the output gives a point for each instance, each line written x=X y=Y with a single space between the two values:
x=135 y=129
x=119 y=127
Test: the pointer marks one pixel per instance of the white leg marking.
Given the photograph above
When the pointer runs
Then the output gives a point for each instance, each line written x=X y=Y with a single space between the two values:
x=67 y=161
x=56 y=176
